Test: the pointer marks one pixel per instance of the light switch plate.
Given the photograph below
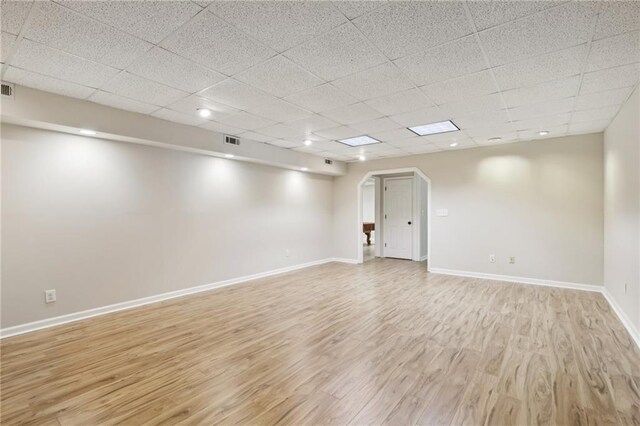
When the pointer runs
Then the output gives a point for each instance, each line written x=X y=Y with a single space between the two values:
x=442 y=212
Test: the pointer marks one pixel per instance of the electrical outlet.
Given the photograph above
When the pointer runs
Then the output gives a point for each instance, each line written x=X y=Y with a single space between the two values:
x=49 y=296
x=286 y=253
x=492 y=258
x=512 y=259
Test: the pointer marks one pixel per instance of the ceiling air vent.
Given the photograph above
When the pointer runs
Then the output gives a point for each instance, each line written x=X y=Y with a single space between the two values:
x=8 y=90
x=327 y=161
x=231 y=140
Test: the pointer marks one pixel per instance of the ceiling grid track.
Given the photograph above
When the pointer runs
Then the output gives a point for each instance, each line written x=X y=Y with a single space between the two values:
x=487 y=62
x=19 y=38
x=585 y=65
x=389 y=61
x=495 y=71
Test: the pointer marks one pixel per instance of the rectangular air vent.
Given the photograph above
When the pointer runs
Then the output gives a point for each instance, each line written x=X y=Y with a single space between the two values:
x=327 y=161
x=231 y=140
x=8 y=90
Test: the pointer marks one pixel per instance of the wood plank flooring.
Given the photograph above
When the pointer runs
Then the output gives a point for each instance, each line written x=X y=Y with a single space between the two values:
x=379 y=343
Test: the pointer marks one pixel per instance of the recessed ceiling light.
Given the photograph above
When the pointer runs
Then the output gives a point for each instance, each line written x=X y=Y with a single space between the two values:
x=434 y=128
x=304 y=169
x=453 y=145
x=543 y=132
x=229 y=155
x=359 y=141
x=308 y=142
x=88 y=132
x=362 y=158
x=204 y=112
x=494 y=139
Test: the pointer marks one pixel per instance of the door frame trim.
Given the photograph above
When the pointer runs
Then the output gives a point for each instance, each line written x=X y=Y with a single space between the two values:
x=358 y=233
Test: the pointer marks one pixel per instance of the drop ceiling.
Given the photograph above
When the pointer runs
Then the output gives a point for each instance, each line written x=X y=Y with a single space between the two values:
x=283 y=72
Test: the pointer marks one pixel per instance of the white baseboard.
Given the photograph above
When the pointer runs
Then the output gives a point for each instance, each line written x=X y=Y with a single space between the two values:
x=344 y=260
x=76 y=316
x=624 y=319
x=522 y=280
x=635 y=334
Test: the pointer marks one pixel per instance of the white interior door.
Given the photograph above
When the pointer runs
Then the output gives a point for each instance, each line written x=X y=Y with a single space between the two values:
x=398 y=217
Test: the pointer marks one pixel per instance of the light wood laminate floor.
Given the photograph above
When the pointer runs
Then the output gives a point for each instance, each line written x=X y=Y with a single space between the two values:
x=368 y=252
x=383 y=342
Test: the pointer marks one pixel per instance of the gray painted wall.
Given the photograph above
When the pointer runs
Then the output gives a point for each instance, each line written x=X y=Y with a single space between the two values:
x=540 y=201
x=622 y=208
x=104 y=222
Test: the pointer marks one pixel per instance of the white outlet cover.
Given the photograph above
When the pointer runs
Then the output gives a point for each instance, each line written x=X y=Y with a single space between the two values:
x=49 y=296
x=442 y=212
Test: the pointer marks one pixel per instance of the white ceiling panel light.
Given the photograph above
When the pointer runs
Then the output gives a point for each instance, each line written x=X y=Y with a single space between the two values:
x=362 y=158
x=434 y=128
x=87 y=132
x=359 y=141
x=308 y=142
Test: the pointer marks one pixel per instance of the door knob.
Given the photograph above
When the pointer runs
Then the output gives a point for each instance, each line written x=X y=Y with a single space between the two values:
x=409 y=222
